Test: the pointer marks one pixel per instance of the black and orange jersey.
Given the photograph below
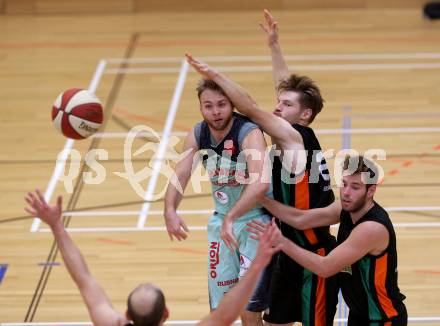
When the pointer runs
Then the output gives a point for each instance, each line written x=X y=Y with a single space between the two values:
x=369 y=286
x=309 y=189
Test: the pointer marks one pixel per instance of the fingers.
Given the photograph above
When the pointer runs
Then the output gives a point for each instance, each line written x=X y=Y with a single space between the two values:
x=31 y=211
x=177 y=233
x=263 y=27
x=28 y=199
x=229 y=241
x=31 y=197
x=183 y=224
x=191 y=60
x=268 y=16
x=60 y=202
x=257 y=225
x=41 y=198
x=189 y=57
x=256 y=228
x=33 y=201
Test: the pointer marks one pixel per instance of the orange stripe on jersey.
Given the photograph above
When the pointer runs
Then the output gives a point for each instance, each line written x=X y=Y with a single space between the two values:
x=302 y=192
x=379 y=281
x=388 y=323
x=320 y=305
x=302 y=201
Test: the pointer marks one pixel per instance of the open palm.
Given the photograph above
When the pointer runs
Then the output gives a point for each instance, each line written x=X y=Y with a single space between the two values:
x=39 y=207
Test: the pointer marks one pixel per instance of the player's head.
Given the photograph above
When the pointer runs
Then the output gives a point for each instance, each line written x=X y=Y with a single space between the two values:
x=299 y=100
x=146 y=306
x=215 y=106
x=359 y=180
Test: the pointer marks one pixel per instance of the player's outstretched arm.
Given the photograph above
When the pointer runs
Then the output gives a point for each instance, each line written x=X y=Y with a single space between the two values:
x=366 y=238
x=235 y=300
x=280 y=70
x=303 y=219
x=100 y=309
x=284 y=135
x=175 y=224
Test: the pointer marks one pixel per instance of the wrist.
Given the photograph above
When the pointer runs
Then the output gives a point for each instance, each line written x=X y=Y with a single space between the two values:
x=229 y=218
x=169 y=210
x=57 y=226
x=275 y=45
x=284 y=242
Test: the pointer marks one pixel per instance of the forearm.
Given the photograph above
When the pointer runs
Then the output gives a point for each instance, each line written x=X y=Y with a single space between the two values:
x=241 y=99
x=307 y=259
x=287 y=214
x=280 y=70
x=173 y=195
x=172 y=199
x=235 y=300
x=248 y=199
x=72 y=257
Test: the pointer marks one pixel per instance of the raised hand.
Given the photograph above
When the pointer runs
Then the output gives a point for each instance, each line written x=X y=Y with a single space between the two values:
x=270 y=242
x=201 y=67
x=227 y=234
x=258 y=229
x=176 y=226
x=39 y=207
x=271 y=28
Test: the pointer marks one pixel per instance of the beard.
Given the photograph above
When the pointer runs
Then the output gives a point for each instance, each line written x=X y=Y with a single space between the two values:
x=219 y=126
x=355 y=206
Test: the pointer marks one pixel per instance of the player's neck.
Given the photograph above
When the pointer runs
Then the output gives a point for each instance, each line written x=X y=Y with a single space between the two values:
x=356 y=216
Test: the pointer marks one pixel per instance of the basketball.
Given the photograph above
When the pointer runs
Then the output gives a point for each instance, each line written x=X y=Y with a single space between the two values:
x=77 y=113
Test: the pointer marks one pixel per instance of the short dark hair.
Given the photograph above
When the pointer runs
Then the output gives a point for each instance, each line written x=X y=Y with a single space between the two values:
x=309 y=94
x=154 y=315
x=205 y=84
x=359 y=164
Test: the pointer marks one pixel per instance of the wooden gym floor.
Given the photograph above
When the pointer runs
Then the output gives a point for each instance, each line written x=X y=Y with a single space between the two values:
x=378 y=71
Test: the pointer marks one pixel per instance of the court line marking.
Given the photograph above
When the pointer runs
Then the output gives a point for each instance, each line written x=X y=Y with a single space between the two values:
x=163 y=142
x=317 y=67
x=59 y=167
x=298 y=57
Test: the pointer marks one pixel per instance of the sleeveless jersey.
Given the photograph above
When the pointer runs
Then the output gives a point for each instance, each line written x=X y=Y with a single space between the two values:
x=369 y=286
x=227 y=169
x=310 y=189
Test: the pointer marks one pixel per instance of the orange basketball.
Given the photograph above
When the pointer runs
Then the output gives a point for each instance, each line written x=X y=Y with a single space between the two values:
x=77 y=113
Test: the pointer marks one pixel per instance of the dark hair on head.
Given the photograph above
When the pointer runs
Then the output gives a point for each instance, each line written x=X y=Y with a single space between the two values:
x=205 y=84
x=309 y=94
x=155 y=314
x=360 y=164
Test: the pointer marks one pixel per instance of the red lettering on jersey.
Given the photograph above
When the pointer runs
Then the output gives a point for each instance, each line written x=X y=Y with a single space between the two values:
x=214 y=258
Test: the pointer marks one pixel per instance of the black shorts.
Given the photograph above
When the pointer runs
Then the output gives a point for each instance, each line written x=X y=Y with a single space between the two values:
x=297 y=295
x=259 y=300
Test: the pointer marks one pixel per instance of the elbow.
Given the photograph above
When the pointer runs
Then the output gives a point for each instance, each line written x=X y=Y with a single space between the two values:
x=299 y=224
x=326 y=269
x=324 y=273
x=223 y=318
x=262 y=190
